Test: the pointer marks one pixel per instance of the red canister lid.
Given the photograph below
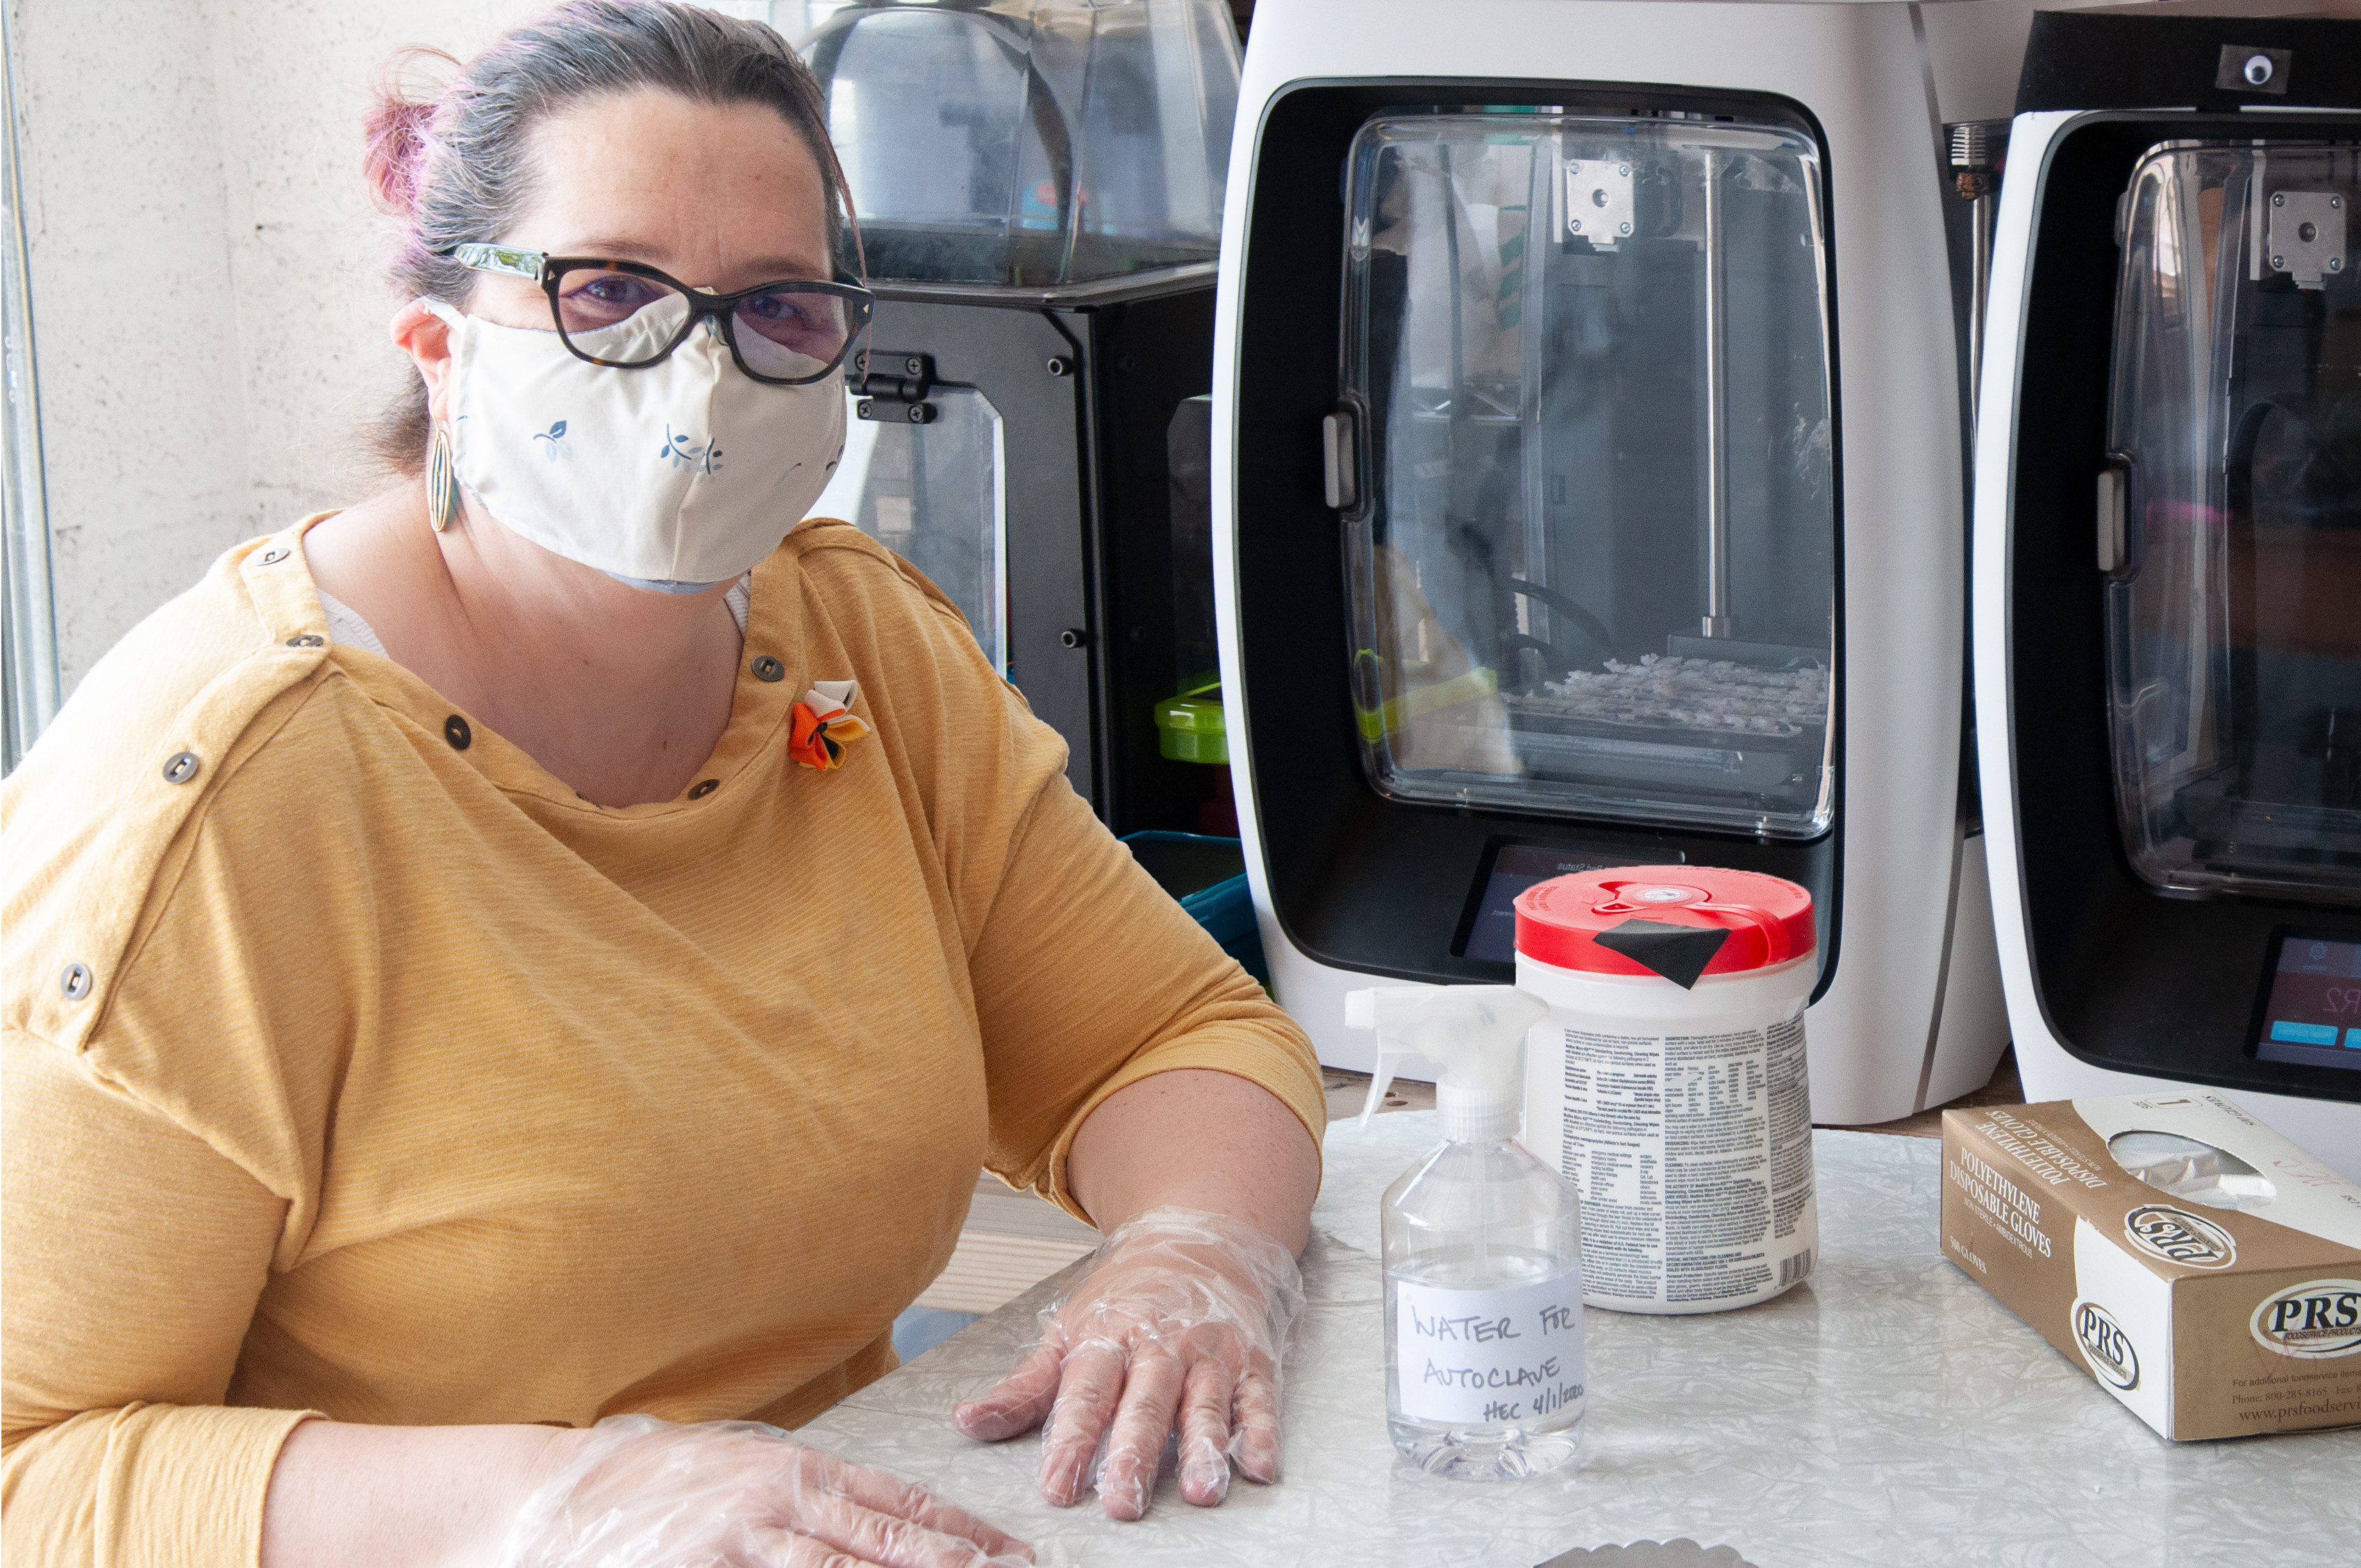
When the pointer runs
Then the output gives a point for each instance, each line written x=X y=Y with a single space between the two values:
x=1637 y=919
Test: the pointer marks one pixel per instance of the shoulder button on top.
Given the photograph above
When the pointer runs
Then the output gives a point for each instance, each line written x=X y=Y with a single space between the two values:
x=181 y=766
x=768 y=669
x=275 y=555
x=456 y=730
x=700 y=790
x=307 y=639
x=75 y=981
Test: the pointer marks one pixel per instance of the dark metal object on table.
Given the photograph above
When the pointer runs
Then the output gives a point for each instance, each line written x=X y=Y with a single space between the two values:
x=1682 y=1552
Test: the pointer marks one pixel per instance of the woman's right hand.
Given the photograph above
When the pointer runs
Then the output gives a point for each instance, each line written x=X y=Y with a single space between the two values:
x=641 y=1493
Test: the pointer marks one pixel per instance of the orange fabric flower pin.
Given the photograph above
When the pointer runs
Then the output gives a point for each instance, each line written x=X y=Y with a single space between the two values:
x=824 y=722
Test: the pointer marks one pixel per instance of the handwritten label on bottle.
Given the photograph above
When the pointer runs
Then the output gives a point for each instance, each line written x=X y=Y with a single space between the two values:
x=1510 y=1356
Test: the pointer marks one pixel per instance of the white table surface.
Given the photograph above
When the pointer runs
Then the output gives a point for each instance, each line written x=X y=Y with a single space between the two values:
x=1886 y=1412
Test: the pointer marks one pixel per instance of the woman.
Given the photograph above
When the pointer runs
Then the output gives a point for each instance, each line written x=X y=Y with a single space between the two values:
x=535 y=947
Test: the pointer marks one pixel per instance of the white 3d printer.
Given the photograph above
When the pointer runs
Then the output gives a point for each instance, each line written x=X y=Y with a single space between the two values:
x=1588 y=487
x=2171 y=702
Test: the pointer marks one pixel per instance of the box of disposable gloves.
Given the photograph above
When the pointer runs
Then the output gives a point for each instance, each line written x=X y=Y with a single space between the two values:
x=2205 y=1270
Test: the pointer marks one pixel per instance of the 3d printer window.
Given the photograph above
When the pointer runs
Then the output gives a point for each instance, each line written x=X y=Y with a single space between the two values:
x=1594 y=572
x=2233 y=641
x=935 y=495
x=1061 y=143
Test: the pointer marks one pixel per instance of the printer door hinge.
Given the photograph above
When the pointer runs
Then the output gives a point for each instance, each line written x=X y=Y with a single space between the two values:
x=892 y=387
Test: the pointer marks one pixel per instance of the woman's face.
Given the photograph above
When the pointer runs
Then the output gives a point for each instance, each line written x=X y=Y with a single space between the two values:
x=720 y=197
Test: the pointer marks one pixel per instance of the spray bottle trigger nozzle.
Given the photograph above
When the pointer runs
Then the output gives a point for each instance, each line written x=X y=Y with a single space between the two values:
x=1382 y=1081
x=1473 y=1035
x=1361 y=1012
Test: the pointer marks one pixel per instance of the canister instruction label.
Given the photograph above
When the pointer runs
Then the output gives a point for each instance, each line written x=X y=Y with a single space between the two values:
x=1694 y=1154
x=1501 y=1357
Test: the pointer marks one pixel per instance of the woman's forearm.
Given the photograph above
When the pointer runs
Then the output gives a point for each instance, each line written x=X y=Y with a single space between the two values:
x=400 y=1496
x=1199 y=1139
x=441 y=1496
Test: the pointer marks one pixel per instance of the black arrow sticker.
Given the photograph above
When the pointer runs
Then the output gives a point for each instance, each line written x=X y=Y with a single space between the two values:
x=1679 y=953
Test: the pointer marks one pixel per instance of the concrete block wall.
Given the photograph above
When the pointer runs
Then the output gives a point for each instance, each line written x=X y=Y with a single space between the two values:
x=208 y=320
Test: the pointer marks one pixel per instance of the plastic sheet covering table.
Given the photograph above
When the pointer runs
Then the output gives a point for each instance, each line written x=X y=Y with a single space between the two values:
x=1886 y=1412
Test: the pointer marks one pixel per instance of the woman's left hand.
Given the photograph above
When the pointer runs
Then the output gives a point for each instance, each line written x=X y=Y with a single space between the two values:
x=1179 y=1323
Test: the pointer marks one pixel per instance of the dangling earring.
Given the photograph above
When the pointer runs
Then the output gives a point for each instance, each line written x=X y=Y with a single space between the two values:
x=442 y=488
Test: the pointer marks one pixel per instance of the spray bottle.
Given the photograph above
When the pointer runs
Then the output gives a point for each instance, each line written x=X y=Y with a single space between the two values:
x=1483 y=1247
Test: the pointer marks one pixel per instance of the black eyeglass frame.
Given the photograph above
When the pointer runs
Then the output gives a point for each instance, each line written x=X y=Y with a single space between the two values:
x=547 y=270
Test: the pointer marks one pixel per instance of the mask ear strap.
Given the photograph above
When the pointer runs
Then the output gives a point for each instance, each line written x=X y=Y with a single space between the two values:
x=448 y=313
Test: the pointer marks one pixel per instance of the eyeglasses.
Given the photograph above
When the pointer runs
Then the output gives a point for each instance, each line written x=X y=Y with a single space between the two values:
x=628 y=316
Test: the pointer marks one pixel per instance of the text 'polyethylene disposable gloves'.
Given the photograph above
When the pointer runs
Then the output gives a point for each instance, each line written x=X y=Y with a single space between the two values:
x=1180 y=1321
x=641 y=1493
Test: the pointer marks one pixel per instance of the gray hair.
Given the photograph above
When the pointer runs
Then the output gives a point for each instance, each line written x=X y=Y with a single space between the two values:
x=452 y=168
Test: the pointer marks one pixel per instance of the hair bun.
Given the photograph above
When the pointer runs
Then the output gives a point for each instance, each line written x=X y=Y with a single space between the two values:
x=396 y=130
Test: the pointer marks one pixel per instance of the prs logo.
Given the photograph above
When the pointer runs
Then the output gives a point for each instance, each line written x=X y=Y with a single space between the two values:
x=2178 y=1236
x=2105 y=1345
x=2315 y=1320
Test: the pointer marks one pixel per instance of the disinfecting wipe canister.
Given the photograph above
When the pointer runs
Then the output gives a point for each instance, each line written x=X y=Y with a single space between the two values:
x=1667 y=1082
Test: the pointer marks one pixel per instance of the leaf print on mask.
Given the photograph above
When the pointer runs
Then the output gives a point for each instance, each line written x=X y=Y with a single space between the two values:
x=686 y=453
x=556 y=448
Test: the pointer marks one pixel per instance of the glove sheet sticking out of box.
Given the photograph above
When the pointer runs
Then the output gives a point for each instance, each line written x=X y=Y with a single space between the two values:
x=2203 y=1269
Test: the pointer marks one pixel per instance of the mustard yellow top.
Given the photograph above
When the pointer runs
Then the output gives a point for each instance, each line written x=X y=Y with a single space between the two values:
x=355 y=1065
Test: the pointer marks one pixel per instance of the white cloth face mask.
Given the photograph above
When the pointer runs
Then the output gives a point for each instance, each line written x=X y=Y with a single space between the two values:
x=672 y=477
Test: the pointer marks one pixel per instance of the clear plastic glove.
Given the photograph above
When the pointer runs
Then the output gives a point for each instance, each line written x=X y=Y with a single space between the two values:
x=641 y=1493
x=1180 y=1321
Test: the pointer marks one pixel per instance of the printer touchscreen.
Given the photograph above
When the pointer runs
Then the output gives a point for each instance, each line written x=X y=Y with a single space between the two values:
x=2312 y=1004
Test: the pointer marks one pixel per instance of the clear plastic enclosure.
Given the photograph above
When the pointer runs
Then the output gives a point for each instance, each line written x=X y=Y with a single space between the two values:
x=934 y=494
x=1189 y=459
x=1595 y=570
x=1030 y=142
x=2234 y=632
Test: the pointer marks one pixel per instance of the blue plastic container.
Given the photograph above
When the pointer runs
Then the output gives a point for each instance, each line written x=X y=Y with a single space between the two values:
x=1208 y=876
